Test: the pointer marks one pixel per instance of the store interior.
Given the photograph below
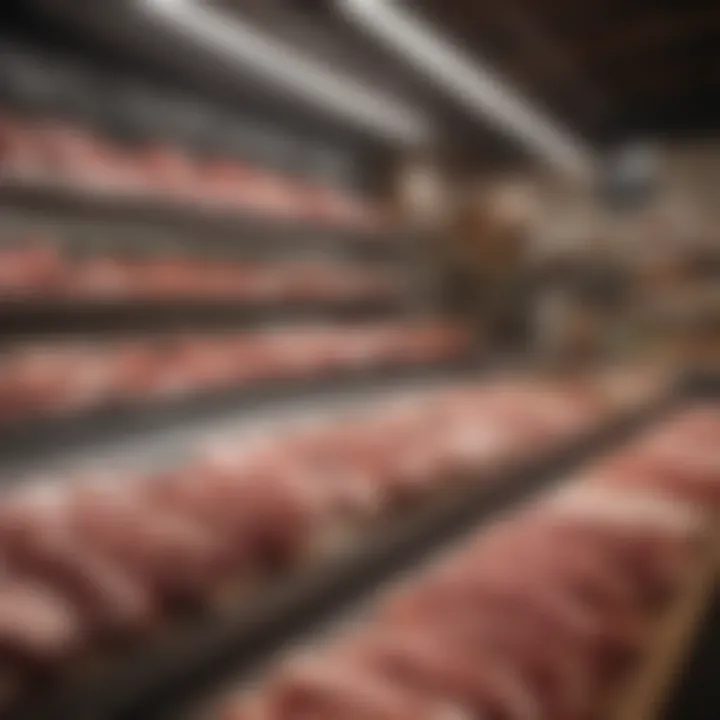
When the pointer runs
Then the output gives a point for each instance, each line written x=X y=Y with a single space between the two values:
x=359 y=360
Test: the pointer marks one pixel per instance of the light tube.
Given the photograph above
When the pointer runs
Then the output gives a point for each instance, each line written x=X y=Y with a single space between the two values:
x=290 y=71
x=479 y=88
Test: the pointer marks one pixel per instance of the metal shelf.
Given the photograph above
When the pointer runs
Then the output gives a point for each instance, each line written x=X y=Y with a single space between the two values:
x=244 y=226
x=199 y=657
x=26 y=319
x=39 y=443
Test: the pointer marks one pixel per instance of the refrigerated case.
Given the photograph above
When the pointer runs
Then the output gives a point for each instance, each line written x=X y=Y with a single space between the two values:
x=199 y=272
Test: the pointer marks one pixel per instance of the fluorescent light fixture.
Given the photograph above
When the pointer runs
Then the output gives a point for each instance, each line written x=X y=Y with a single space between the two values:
x=476 y=86
x=290 y=71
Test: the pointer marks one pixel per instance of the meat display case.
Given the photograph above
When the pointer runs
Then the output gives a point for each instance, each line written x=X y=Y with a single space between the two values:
x=85 y=223
x=36 y=443
x=185 y=667
x=185 y=660
x=650 y=689
x=252 y=228
x=96 y=223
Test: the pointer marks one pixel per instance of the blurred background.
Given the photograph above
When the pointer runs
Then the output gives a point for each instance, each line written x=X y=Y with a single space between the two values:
x=217 y=215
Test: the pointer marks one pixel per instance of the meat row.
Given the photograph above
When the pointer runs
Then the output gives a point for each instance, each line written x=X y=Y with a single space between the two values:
x=40 y=270
x=47 y=379
x=103 y=557
x=536 y=618
x=59 y=154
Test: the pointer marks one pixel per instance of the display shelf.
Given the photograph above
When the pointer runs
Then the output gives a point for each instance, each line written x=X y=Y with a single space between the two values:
x=31 y=318
x=254 y=227
x=186 y=664
x=35 y=442
x=90 y=221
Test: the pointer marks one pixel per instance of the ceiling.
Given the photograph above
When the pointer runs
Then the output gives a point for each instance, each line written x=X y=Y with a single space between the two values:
x=611 y=67
x=316 y=29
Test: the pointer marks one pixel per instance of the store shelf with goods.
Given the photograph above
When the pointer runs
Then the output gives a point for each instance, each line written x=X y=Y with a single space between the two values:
x=93 y=276
x=365 y=609
x=132 y=149
x=24 y=320
x=421 y=645
x=51 y=165
x=170 y=442
x=43 y=290
x=246 y=227
x=119 y=159
x=109 y=264
x=454 y=494
x=45 y=435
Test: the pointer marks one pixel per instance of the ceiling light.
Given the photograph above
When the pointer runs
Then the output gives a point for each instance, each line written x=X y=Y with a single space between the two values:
x=478 y=87
x=294 y=73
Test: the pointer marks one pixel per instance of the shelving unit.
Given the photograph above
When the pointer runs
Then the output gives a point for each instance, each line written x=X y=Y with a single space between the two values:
x=157 y=433
x=250 y=228
x=185 y=663
x=141 y=105
x=34 y=444
x=293 y=621
x=139 y=224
